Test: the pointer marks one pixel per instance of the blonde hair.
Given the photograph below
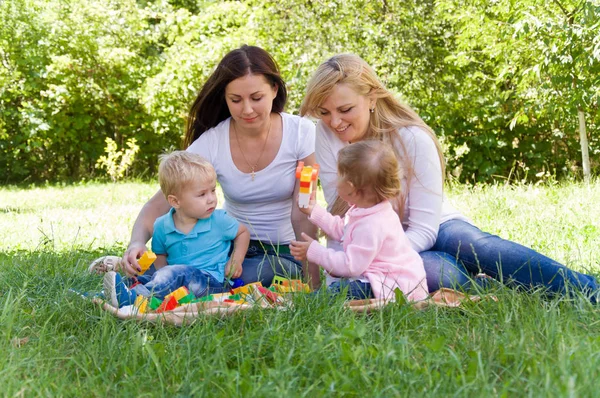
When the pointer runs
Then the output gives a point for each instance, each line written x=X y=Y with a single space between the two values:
x=389 y=114
x=370 y=166
x=178 y=168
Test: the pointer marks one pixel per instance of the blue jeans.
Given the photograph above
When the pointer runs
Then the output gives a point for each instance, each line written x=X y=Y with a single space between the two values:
x=172 y=277
x=264 y=261
x=357 y=290
x=463 y=250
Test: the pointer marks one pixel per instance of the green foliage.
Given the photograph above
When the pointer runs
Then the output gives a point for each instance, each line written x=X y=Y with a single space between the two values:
x=500 y=82
x=117 y=162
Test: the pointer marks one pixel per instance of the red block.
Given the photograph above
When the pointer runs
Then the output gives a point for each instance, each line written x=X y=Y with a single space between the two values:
x=272 y=297
x=167 y=305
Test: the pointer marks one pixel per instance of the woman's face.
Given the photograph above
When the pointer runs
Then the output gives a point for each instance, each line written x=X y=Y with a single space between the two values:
x=250 y=100
x=346 y=112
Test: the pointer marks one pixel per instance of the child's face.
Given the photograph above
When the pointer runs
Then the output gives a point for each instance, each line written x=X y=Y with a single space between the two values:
x=346 y=191
x=198 y=199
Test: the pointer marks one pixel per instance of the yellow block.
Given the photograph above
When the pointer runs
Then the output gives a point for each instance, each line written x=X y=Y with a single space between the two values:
x=141 y=303
x=246 y=288
x=146 y=261
x=178 y=294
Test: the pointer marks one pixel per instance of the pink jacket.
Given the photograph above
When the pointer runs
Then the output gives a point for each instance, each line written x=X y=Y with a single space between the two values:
x=375 y=247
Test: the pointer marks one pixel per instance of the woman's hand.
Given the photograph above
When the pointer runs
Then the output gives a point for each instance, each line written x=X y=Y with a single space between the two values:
x=129 y=263
x=298 y=249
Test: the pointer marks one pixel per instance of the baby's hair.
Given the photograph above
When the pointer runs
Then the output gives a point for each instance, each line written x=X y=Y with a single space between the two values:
x=371 y=165
x=178 y=168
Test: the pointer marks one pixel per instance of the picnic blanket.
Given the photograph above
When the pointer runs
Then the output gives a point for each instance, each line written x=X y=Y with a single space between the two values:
x=187 y=313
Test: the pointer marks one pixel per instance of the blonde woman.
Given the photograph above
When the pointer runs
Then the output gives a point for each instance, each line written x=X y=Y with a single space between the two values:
x=352 y=105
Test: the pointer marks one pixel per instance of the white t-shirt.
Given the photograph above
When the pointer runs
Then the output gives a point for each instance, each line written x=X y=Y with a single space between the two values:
x=265 y=204
x=424 y=209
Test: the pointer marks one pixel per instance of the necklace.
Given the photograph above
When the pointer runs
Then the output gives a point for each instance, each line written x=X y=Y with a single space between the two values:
x=252 y=167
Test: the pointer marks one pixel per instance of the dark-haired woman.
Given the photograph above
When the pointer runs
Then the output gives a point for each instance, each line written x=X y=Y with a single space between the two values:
x=237 y=123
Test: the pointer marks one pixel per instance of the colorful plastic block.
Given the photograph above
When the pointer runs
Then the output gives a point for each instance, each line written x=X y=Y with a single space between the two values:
x=187 y=299
x=154 y=303
x=167 y=305
x=271 y=296
x=308 y=176
x=146 y=261
x=141 y=303
x=237 y=282
x=245 y=289
x=210 y=297
x=178 y=294
x=278 y=280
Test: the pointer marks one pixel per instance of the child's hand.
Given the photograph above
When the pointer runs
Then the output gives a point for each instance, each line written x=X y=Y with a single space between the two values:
x=233 y=270
x=299 y=249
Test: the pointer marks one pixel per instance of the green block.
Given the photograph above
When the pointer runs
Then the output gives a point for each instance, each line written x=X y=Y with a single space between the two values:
x=210 y=297
x=235 y=297
x=154 y=303
x=187 y=299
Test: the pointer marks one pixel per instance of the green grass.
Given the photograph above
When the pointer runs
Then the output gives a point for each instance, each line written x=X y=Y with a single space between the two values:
x=54 y=343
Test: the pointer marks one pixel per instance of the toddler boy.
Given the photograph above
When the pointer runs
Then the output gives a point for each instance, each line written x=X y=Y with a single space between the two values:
x=194 y=238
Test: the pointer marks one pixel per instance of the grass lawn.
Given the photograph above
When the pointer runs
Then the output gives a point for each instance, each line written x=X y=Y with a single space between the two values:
x=55 y=343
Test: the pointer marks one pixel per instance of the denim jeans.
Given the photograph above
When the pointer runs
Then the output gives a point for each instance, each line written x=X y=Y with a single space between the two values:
x=172 y=277
x=463 y=250
x=357 y=290
x=264 y=261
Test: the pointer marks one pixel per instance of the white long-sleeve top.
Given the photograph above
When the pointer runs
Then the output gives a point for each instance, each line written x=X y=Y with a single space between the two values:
x=424 y=208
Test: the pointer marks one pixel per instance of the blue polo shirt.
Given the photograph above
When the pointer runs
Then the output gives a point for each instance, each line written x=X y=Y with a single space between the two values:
x=205 y=247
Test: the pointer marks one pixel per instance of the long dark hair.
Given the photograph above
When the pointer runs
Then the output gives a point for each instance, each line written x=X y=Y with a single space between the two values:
x=210 y=108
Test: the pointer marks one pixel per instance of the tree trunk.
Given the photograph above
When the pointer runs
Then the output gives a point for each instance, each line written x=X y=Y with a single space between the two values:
x=585 y=157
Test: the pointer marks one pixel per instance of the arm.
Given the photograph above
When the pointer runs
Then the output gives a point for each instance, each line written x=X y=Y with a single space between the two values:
x=142 y=231
x=357 y=256
x=233 y=268
x=327 y=147
x=425 y=191
x=333 y=226
x=301 y=224
x=161 y=261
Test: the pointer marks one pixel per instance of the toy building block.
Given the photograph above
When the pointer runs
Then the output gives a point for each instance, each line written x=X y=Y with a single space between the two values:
x=178 y=294
x=308 y=176
x=141 y=303
x=202 y=299
x=245 y=289
x=154 y=303
x=290 y=286
x=237 y=282
x=271 y=296
x=186 y=299
x=146 y=261
x=278 y=280
x=167 y=305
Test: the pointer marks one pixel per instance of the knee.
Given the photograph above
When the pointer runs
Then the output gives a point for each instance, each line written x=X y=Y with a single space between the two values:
x=442 y=270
